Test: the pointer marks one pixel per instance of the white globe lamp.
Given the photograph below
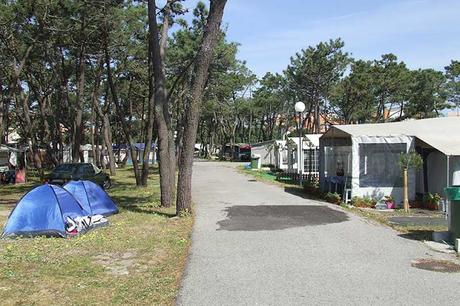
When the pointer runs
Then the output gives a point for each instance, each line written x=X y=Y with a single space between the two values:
x=299 y=107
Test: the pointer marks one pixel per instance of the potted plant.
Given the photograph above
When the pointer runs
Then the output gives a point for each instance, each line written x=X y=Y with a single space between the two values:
x=389 y=201
x=432 y=201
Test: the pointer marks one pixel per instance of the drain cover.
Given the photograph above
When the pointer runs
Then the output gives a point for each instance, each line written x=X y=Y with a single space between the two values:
x=436 y=265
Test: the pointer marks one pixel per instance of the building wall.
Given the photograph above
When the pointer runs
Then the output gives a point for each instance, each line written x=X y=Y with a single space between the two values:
x=266 y=152
x=281 y=155
x=437 y=171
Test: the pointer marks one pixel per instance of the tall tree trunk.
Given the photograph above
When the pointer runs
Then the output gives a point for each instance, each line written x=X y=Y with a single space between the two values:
x=203 y=59
x=3 y=114
x=4 y=101
x=30 y=130
x=162 y=117
x=317 y=118
x=121 y=118
x=107 y=132
x=106 y=128
x=93 y=132
x=77 y=134
x=46 y=129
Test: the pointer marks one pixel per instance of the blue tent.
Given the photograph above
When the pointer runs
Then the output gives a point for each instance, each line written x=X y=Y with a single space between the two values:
x=43 y=211
x=93 y=199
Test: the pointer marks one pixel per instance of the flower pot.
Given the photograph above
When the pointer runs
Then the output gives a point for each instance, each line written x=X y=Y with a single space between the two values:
x=433 y=206
x=390 y=205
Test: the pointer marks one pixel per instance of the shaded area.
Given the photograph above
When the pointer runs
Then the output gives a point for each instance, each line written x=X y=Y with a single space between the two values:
x=419 y=235
x=298 y=191
x=10 y=194
x=278 y=217
x=153 y=171
x=8 y=203
x=436 y=265
x=428 y=221
x=141 y=203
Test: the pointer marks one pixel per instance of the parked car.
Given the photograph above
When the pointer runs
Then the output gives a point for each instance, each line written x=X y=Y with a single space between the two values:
x=79 y=171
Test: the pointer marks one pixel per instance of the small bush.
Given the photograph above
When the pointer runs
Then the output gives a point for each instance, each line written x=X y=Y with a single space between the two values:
x=311 y=187
x=431 y=201
x=333 y=197
x=365 y=202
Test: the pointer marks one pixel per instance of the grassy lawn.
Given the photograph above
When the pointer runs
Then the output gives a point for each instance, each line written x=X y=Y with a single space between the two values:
x=138 y=259
x=259 y=174
x=263 y=176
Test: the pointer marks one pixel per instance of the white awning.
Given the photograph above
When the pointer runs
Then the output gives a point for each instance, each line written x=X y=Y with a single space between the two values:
x=442 y=133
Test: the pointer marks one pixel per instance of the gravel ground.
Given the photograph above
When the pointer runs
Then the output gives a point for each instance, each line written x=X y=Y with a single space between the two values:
x=254 y=244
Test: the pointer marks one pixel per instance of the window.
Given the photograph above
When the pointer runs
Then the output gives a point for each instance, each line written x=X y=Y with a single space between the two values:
x=95 y=168
x=65 y=168
x=378 y=165
x=311 y=154
x=85 y=169
x=337 y=159
x=284 y=156
x=293 y=156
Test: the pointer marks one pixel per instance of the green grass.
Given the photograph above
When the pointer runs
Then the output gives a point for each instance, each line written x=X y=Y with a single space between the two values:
x=138 y=259
x=260 y=174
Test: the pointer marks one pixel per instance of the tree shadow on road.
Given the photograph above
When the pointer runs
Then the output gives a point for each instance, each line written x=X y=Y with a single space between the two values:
x=418 y=235
x=278 y=217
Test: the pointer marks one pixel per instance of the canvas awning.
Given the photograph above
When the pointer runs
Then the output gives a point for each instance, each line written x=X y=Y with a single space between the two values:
x=439 y=133
x=308 y=138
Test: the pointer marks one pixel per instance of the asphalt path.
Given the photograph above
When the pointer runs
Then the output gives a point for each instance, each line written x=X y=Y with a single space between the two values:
x=256 y=244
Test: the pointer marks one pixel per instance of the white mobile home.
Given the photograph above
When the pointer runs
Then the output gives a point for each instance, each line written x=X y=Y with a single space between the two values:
x=267 y=152
x=364 y=158
x=308 y=159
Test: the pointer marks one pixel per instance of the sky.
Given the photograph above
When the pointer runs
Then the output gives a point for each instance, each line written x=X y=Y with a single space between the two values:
x=422 y=33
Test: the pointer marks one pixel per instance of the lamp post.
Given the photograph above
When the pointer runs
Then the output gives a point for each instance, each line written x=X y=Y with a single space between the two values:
x=299 y=108
x=310 y=160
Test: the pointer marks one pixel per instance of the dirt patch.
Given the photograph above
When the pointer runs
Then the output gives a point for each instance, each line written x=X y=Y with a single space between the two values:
x=118 y=264
x=436 y=265
x=4 y=213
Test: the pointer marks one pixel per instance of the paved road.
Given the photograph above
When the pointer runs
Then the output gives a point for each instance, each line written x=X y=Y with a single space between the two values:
x=255 y=244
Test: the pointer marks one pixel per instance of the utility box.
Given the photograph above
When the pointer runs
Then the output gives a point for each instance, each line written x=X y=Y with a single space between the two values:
x=256 y=161
x=453 y=194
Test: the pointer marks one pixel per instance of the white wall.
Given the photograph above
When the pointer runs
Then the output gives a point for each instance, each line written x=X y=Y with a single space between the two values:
x=437 y=170
x=266 y=152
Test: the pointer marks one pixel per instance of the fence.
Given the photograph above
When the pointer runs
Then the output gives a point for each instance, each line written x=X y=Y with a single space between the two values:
x=295 y=177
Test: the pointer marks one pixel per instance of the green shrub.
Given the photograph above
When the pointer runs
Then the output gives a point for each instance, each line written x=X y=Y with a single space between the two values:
x=431 y=201
x=333 y=197
x=366 y=202
x=311 y=187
